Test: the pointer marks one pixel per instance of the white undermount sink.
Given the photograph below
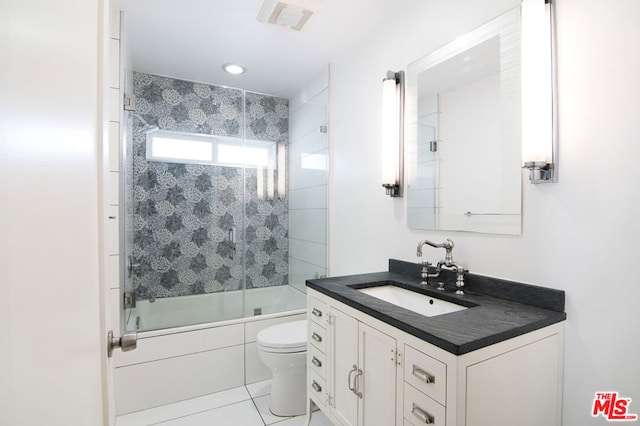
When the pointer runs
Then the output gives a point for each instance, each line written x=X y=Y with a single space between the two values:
x=416 y=302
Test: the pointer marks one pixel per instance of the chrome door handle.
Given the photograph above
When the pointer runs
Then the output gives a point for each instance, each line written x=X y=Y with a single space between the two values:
x=423 y=375
x=425 y=416
x=316 y=312
x=128 y=342
x=315 y=361
x=316 y=387
x=356 y=384
x=232 y=243
x=352 y=388
x=315 y=336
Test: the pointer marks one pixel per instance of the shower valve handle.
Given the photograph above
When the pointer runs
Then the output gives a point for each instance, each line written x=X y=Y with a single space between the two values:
x=133 y=268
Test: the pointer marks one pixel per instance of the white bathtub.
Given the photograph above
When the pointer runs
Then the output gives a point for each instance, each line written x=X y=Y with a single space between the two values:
x=213 y=307
x=173 y=363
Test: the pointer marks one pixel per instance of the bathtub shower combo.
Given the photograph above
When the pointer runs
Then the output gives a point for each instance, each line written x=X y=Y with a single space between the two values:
x=225 y=211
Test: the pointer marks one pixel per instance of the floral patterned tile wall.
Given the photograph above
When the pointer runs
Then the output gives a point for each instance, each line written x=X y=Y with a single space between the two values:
x=183 y=212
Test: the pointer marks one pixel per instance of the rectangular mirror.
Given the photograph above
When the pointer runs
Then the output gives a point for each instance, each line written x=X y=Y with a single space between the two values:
x=463 y=136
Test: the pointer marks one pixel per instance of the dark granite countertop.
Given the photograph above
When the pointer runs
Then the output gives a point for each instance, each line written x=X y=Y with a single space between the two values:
x=497 y=309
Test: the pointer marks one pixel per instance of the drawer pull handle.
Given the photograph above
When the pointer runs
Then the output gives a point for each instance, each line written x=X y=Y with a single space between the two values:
x=315 y=361
x=423 y=375
x=316 y=387
x=425 y=416
x=315 y=336
x=316 y=312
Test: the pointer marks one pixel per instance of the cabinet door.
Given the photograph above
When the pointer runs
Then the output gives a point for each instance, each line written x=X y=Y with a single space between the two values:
x=343 y=356
x=378 y=381
x=521 y=387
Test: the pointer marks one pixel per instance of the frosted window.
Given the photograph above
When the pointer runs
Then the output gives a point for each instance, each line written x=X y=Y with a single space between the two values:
x=177 y=147
x=181 y=149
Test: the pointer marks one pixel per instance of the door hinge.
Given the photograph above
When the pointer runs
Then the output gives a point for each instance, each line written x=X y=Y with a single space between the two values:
x=129 y=102
x=129 y=299
x=329 y=400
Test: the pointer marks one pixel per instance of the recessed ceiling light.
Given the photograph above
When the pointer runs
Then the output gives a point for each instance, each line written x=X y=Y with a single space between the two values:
x=234 y=68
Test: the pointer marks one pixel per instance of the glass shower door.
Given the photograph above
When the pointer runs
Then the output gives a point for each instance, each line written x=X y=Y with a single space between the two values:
x=186 y=256
x=129 y=268
x=183 y=255
x=207 y=217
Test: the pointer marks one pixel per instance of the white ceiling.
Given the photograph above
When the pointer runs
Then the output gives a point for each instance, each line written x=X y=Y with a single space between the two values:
x=191 y=39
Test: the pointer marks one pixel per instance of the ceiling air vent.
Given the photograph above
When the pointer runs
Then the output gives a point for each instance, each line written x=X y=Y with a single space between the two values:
x=292 y=14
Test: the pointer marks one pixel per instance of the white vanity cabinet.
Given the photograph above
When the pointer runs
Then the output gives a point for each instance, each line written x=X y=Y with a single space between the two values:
x=372 y=374
x=348 y=359
x=362 y=372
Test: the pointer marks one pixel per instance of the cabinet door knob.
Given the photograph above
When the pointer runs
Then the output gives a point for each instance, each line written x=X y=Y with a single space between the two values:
x=422 y=414
x=423 y=375
x=315 y=336
x=316 y=387
x=315 y=361
x=316 y=312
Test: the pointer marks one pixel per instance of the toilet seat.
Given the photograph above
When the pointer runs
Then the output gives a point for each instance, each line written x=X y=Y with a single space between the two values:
x=284 y=338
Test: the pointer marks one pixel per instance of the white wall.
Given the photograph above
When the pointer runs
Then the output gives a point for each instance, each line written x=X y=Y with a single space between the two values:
x=50 y=369
x=580 y=234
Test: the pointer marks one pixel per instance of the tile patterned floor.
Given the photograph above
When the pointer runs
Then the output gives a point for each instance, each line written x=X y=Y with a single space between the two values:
x=243 y=406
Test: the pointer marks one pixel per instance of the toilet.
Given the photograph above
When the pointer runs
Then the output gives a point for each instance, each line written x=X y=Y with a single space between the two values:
x=283 y=348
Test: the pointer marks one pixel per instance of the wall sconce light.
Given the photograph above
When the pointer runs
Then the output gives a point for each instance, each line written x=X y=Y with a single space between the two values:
x=539 y=97
x=393 y=133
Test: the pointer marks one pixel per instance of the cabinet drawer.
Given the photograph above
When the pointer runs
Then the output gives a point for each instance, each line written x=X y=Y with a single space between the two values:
x=318 y=337
x=426 y=374
x=318 y=311
x=317 y=361
x=317 y=389
x=419 y=409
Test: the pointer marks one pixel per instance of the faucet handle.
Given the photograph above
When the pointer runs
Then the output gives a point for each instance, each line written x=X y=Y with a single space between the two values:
x=460 y=281
x=425 y=272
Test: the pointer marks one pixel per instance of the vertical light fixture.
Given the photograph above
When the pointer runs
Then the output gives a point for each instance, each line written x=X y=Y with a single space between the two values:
x=393 y=133
x=539 y=97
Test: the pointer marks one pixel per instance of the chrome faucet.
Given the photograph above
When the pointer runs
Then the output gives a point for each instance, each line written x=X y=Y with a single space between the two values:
x=447 y=263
